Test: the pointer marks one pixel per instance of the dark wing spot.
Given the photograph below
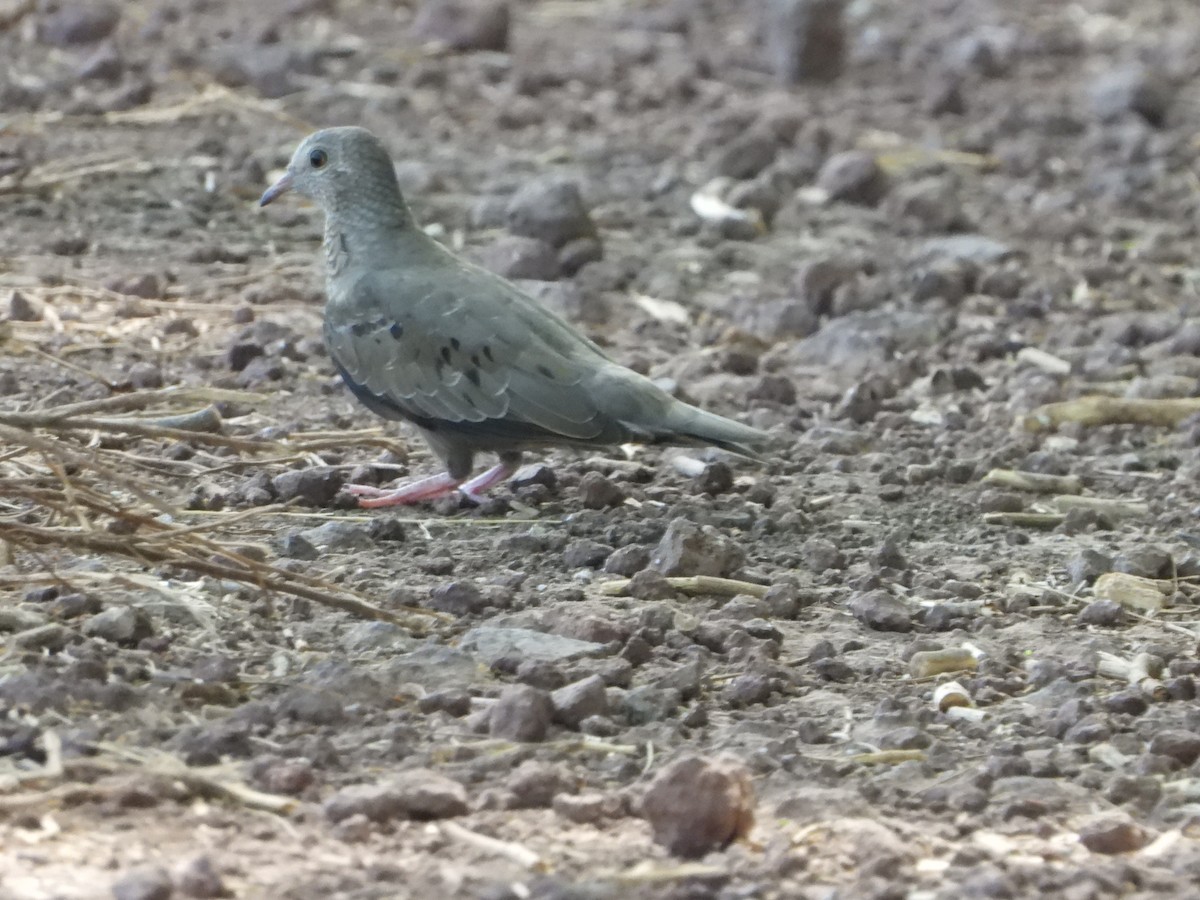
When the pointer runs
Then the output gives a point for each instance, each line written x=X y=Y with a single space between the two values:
x=475 y=360
x=487 y=351
x=446 y=354
x=454 y=343
x=358 y=329
x=396 y=330
x=438 y=365
x=473 y=376
x=544 y=371
x=467 y=397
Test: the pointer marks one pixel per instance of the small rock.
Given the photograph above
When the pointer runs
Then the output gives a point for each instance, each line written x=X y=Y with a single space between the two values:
x=296 y=546
x=197 y=877
x=577 y=701
x=989 y=50
x=782 y=601
x=534 y=473
x=51 y=637
x=820 y=554
x=241 y=353
x=587 y=808
x=1145 y=562
x=315 y=486
x=420 y=794
x=627 y=560
x=1104 y=613
x=1091 y=729
x=145 y=376
x=880 y=611
x=21 y=309
x=690 y=549
x=944 y=97
x=746 y=155
x=1132 y=89
x=71 y=606
x=598 y=492
x=339 y=536
x=576 y=254
x=1129 y=703
x=650 y=585
x=774 y=388
x=105 y=64
x=932 y=204
x=1088 y=565
x=853 y=176
x=78 y=22
x=1177 y=744
x=452 y=701
x=150 y=883
x=1112 y=835
x=366 y=636
x=490 y=644
x=716 y=478
x=586 y=554
x=647 y=703
x=963 y=248
x=806 y=39
x=551 y=210
x=68 y=245
x=125 y=625
x=521 y=713
x=464 y=25
x=539 y=674
x=534 y=784
x=145 y=285
x=355 y=829
x=695 y=805
x=459 y=598
x=286 y=776
x=748 y=689
x=268 y=69
x=514 y=256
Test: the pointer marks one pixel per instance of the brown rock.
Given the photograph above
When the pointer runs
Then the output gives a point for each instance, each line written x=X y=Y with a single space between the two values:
x=695 y=805
x=522 y=713
x=464 y=24
x=691 y=549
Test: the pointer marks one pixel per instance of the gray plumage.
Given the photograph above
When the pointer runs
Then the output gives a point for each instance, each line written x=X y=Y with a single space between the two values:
x=478 y=366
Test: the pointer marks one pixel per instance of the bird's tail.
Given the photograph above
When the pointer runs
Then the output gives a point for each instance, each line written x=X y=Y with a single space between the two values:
x=687 y=424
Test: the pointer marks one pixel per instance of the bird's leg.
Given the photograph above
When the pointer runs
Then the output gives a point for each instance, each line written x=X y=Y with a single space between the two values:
x=474 y=489
x=412 y=492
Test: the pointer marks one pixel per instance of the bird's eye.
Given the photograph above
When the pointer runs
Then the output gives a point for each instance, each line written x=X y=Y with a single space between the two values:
x=318 y=158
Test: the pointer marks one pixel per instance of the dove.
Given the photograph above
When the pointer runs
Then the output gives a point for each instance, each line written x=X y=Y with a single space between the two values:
x=475 y=364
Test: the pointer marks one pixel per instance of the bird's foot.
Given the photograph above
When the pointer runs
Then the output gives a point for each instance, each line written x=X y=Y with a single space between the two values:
x=474 y=489
x=370 y=497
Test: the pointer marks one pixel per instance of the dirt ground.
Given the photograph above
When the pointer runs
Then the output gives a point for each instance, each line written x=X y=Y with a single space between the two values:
x=991 y=208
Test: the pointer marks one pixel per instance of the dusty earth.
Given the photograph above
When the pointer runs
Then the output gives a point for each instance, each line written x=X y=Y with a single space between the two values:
x=991 y=208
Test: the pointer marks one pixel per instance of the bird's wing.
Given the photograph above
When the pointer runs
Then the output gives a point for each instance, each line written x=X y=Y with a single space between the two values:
x=470 y=352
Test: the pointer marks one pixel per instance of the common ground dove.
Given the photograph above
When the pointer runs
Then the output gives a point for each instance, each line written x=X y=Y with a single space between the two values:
x=475 y=364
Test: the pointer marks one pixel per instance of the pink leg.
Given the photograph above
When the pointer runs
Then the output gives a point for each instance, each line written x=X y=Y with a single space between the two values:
x=474 y=489
x=413 y=492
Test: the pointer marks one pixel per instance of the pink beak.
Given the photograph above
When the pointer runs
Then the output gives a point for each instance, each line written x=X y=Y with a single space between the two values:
x=282 y=186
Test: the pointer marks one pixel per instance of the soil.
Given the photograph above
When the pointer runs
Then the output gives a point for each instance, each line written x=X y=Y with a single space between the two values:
x=977 y=209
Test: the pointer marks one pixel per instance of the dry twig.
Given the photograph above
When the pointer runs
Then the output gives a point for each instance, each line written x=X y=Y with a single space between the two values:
x=1112 y=411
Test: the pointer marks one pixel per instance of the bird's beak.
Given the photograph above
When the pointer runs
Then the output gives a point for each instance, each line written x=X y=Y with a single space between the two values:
x=282 y=186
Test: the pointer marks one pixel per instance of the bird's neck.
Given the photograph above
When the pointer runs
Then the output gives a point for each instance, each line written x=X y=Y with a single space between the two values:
x=367 y=235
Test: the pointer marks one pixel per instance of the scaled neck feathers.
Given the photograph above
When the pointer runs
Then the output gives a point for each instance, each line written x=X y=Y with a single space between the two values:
x=366 y=230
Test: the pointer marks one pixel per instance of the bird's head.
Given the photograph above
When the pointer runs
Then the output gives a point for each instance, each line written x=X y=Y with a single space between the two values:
x=340 y=168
